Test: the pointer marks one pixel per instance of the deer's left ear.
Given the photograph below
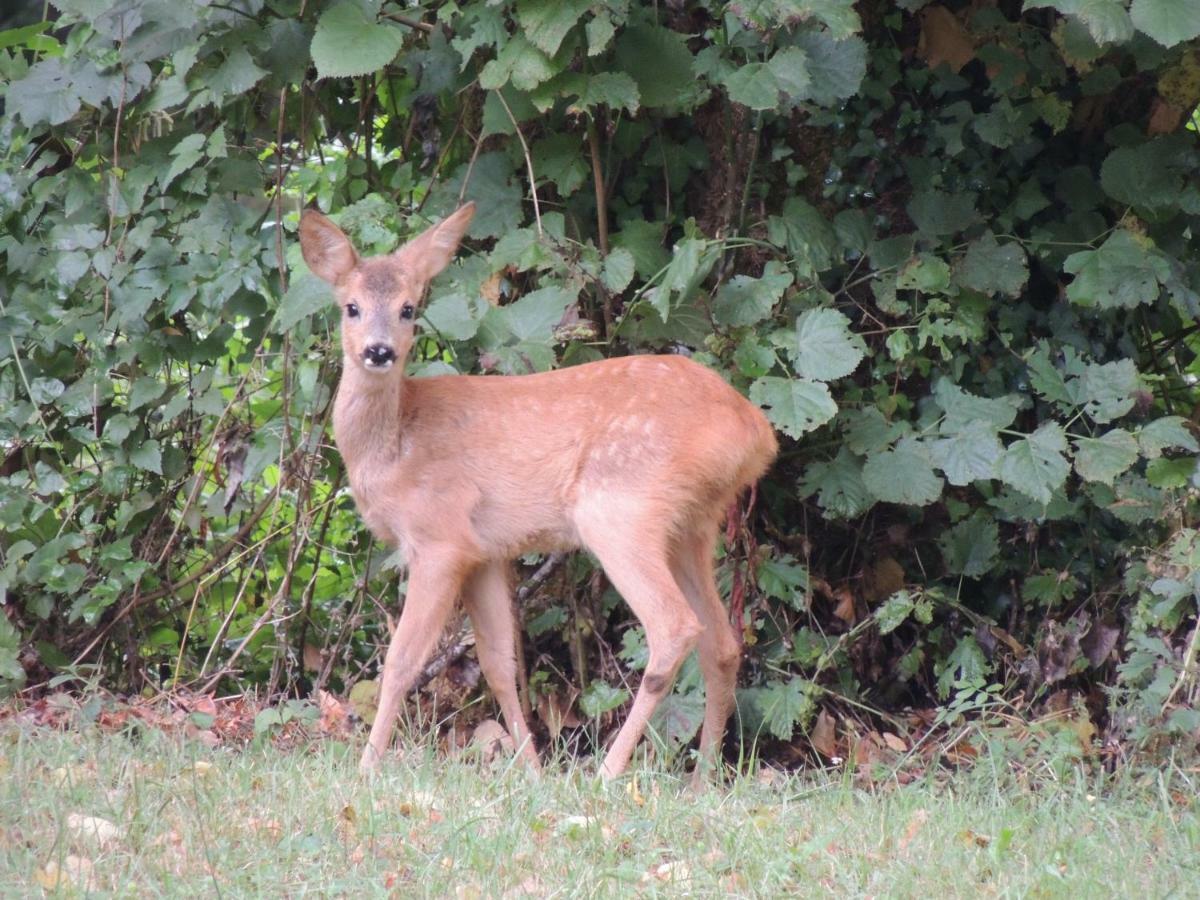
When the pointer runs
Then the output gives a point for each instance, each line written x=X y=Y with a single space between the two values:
x=431 y=251
x=327 y=251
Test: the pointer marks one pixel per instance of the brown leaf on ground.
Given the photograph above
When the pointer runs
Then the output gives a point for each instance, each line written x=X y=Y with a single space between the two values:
x=913 y=828
x=335 y=714
x=558 y=711
x=824 y=735
x=491 y=740
x=944 y=39
x=845 y=606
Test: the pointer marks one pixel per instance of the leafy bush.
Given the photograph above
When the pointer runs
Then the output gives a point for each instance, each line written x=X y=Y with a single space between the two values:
x=950 y=249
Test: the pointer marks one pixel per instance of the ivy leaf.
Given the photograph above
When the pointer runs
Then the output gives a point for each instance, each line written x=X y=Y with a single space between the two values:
x=993 y=268
x=618 y=270
x=1104 y=458
x=1123 y=273
x=969 y=453
x=1035 y=465
x=903 y=475
x=546 y=22
x=826 y=348
x=348 y=42
x=835 y=67
x=1108 y=391
x=970 y=548
x=1169 y=22
x=794 y=405
x=1169 y=431
x=747 y=301
x=147 y=456
x=839 y=484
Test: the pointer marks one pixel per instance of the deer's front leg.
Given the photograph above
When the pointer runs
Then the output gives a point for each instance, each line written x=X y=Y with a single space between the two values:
x=434 y=582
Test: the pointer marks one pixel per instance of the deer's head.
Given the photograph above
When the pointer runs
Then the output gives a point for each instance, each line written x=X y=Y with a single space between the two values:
x=379 y=296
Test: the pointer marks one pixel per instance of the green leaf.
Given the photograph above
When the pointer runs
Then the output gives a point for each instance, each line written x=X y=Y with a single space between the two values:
x=784 y=705
x=348 y=42
x=1104 y=458
x=841 y=491
x=993 y=268
x=600 y=697
x=1123 y=273
x=616 y=90
x=963 y=408
x=965 y=667
x=804 y=232
x=794 y=405
x=519 y=62
x=145 y=390
x=600 y=31
x=938 y=213
x=186 y=153
x=618 y=269
x=45 y=94
x=894 y=611
x=533 y=317
x=826 y=348
x=1169 y=22
x=559 y=157
x=1107 y=20
x=1171 y=473
x=659 y=60
x=147 y=456
x=971 y=547
x=1108 y=391
x=1169 y=431
x=546 y=22
x=764 y=85
x=866 y=430
x=305 y=295
x=1035 y=465
x=644 y=241
x=691 y=262
x=903 y=475
x=1142 y=176
x=238 y=72
x=835 y=67
x=925 y=273
x=747 y=301
x=454 y=316
x=968 y=453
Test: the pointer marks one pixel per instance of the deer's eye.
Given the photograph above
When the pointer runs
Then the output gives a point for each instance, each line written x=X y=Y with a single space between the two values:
x=352 y=310
x=407 y=311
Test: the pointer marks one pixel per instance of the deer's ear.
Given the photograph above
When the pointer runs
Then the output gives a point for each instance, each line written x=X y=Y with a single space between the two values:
x=431 y=251
x=327 y=251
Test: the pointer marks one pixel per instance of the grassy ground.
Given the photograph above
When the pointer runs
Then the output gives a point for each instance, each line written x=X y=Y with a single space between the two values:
x=140 y=813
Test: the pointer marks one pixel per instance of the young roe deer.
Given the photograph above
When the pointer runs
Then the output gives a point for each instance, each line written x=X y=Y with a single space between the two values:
x=636 y=459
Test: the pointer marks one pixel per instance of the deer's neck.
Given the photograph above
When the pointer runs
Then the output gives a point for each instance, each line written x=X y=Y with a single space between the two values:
x=367 y=418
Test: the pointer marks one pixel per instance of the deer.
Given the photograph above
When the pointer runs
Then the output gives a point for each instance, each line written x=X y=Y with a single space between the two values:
x=635 y=459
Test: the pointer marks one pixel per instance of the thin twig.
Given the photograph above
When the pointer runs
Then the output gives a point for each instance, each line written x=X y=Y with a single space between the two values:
x=411 y=23
x=537 y=212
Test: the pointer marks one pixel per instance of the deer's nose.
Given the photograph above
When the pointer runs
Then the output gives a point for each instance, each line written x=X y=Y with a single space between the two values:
x=379 y=355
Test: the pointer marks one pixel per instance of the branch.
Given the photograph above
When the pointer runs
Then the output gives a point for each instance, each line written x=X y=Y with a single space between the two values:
x=537 y=212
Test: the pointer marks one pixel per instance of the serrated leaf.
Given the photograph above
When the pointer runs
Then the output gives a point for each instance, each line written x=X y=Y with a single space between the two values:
x=1045 y=378
x=841 y=491
x=1108 y=391
x=804 y=232
x=826 y=348
x=305 y=295
x=659 y=60
x=938 y=213
x=1171 y=473
x=963 y=408
x=903 y=475
x=971 y=547
x=145 y=390
x=43 y=95
x=559 y=157
x=692 y=260
x=1142 y=176
x=185 y=154
x=546 y=22
x=1035 y=465
x=147 y=456
x=784 y=705
x=747 y=301
x=533 y=317
x=519 y=62
x=866 y=430
x=968 y=453
x=1123 y=273
x=835 y=67
x=794 y=405
x=993 y=268
x=1169 y=431
x=925 y=273
x=618 y=270
x=453 y=316
x=1169 y=22
x=616 y=90
x=600 y=31
x=1104 y=458
x=348 y=42
x=1108 y=21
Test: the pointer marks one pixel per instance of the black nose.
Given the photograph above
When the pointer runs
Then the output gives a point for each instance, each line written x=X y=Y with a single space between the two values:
x=379 y=355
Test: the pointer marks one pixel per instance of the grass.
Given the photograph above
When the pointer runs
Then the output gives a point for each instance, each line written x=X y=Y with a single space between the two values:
x=183 y=819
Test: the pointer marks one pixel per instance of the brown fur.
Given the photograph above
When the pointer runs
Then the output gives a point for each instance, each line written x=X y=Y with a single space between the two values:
x=635 y=459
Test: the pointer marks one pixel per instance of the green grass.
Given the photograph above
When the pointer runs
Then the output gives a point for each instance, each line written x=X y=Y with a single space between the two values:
x=194 y=821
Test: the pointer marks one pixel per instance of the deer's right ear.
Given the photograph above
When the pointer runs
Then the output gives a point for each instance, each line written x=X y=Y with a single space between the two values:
x=328 y=252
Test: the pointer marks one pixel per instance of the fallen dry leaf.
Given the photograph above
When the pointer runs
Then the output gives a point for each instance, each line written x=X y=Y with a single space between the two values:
x=490 y=738
x=895 y=742
x=93 y=828
x=824 y=735
x=944 y=39
x=75 y=872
